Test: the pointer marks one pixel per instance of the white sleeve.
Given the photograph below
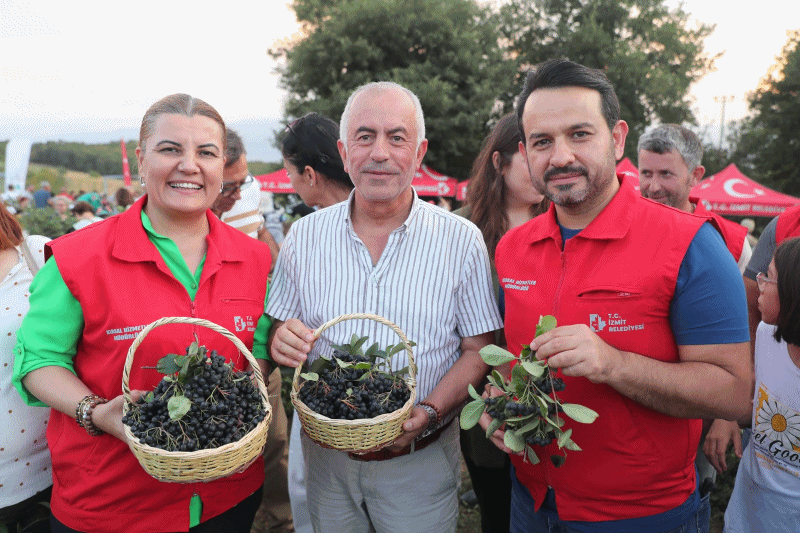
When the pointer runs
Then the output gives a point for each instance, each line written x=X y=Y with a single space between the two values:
x=747 y=253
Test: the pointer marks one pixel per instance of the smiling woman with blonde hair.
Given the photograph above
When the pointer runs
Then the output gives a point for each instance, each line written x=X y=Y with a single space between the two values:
x=167 y=255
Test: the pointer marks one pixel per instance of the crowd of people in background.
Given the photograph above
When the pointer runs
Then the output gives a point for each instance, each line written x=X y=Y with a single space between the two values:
x=671 y=324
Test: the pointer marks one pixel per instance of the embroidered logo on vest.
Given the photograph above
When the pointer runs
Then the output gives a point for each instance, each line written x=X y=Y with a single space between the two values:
x=614 y=322
x=242 y=323
x=519 y=285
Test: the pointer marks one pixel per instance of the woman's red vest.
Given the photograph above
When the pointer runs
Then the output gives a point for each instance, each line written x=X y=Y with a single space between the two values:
x=123 y=284
x=618 y=277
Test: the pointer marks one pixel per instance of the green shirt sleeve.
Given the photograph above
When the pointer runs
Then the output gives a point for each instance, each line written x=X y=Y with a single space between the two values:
x=261 y=335
x=50 y=331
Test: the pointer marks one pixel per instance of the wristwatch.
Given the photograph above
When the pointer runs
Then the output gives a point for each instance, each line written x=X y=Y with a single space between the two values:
x=433 y=420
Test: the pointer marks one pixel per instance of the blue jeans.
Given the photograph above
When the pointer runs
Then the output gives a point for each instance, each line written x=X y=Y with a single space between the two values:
x=525 y=520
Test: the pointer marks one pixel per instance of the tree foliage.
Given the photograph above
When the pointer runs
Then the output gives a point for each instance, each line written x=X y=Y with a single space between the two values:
x=768 y=145
x=651 y=53
x=446 y=51
x=104 y=159
x=465 y=60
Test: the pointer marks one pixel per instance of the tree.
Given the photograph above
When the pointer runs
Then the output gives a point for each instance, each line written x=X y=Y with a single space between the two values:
x=446 y=51
x=769 y=144
x=650 y=53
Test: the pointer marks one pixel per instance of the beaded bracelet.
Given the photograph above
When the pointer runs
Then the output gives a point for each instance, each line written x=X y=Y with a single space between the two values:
x=84 y=412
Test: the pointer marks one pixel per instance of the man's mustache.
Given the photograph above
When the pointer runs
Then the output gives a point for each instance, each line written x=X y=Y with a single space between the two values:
x=555 y=171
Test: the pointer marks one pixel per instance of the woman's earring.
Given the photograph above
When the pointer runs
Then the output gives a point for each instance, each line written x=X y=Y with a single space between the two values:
x=141 y=179
x=310 y=183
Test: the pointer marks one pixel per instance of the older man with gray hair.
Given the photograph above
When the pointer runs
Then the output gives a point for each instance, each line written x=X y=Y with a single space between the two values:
x=386 y=252
x=669 y=167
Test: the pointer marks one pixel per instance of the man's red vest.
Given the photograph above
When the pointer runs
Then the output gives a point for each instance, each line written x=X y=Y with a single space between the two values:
x=788 y=224
x=123 y=284
x=732 y=233
x=618 y=277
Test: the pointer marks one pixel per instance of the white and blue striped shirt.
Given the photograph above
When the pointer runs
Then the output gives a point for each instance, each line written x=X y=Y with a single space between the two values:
x=433 y=280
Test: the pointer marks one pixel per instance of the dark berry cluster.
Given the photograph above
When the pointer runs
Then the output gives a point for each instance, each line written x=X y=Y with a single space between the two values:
x=352 y=388
x=211 y=406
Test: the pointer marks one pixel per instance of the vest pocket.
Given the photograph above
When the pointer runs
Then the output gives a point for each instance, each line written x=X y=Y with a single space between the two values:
x=616 y=292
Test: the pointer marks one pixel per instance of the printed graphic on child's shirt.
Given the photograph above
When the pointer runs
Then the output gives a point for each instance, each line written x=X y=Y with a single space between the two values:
x=776 y=434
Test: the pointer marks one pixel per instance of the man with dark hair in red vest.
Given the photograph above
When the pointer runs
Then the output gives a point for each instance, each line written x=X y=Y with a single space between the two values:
x=652 y=322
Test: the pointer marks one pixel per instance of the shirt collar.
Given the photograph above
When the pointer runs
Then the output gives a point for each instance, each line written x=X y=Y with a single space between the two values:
x=134 y=225
x=407 y=224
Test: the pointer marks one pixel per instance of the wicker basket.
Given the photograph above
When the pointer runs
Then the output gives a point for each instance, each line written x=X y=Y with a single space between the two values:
x=202 y=465
x=363 y=435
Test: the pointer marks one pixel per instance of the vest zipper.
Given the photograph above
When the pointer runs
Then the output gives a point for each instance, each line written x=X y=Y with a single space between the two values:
x=560 y=283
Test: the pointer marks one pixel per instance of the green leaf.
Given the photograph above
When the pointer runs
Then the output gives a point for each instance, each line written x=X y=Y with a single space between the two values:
x=530 y=427
x=178 y=406
x=397 y=348
x=183 y=373
x=358 y=344
x=402 y=372
x=515 y=419
x=494 y=425
x=497 y=380
x=532 y=457
x=362 y=366
x=310 y=376
x=180 y=359
x=546 y=323
x=525 y=352
x=167 y=365
x=319 y=365
x=534 y=369
x=494 y=355
x=149 y=397
x=349 y=391
x=371 y=350
x=513 y=441
x=579 y=413
x=193 y=348
x=564 y=437
x=570 y=445
x=471 y=414
x=474 y=393
x=353 y=341
x=557 y=460
x=342 y=364
x=556 y=422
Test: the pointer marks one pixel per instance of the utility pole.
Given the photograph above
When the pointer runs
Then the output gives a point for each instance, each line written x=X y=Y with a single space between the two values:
x=723 y=99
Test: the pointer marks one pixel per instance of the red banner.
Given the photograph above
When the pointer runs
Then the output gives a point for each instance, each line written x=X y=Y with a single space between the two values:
x=126 y=169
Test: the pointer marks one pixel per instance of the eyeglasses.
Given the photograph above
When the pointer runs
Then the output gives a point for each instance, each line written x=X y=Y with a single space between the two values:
x=230 y=188
x=762 y=280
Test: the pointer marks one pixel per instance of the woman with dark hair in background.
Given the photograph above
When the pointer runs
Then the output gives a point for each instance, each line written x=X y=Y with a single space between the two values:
x=25 y=477
x=167 y=255
x=313 y=163
x=500 y=196
x=315 y=167
x=766 y=492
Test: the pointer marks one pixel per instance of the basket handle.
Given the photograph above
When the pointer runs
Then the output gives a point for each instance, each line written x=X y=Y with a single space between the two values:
x=411 y=366
x=126 y=392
